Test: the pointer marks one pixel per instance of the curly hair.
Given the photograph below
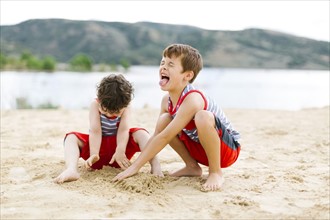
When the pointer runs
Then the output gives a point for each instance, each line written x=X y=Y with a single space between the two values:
x=191 y=59
x=114 y=93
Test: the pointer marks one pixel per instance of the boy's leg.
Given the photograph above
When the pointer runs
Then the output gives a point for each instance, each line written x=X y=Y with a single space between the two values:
x=192 y=168
x=141 y=137
x=210 y=141
x=71 y=156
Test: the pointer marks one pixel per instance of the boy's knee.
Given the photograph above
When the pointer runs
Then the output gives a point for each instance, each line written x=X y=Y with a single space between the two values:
x=72 y=140
x=141 y=137
x=70 y=137
x=140 y=134
x=203 y=117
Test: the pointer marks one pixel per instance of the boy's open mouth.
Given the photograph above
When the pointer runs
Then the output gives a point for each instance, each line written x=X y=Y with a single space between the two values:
x=164 y=80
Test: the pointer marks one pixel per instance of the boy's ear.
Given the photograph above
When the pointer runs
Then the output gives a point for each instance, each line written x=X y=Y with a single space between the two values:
x=189 y=75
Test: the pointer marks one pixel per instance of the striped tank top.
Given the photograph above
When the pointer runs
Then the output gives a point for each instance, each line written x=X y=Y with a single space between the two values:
x=109 y=125
x=210 y=105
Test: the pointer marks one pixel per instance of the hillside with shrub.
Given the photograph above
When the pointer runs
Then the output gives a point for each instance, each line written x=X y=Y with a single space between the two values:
x=142 y=44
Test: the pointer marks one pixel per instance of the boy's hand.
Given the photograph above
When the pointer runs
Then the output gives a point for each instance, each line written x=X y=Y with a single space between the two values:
x=91 y=160
x=121 y=159
x=130 y=171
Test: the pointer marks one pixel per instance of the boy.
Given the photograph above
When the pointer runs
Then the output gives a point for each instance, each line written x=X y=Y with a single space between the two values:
x=190 y=122
x=110 y=141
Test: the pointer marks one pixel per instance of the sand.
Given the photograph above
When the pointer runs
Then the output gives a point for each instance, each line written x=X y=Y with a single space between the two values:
x=282 y=171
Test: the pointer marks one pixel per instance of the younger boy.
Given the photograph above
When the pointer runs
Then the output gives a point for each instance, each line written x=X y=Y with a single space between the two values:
x=190 y=122
x=110 y=141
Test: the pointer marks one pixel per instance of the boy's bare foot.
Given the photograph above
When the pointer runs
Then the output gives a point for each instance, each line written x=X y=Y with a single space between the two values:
x=188 y=171
x=157 y=171
x=67 y=176
x=213 y=182
x=91 y=160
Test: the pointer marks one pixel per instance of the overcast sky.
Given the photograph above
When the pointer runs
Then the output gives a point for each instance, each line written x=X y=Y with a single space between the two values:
x=302 y=18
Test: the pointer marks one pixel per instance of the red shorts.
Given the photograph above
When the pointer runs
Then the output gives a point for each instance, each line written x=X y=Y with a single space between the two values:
x=107 y=149
x=228 y=153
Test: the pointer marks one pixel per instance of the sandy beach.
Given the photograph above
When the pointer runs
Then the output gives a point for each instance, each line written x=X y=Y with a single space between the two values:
x=282 y=171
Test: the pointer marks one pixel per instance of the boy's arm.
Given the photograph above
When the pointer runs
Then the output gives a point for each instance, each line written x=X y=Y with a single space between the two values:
x=95 y=134
x=95 y=131
x=122 y=140
x=189 y=107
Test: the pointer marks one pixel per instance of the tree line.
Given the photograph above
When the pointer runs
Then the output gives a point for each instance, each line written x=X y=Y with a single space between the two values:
x=78 y=63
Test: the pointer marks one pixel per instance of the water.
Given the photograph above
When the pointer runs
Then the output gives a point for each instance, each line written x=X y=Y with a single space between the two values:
x=231 y=88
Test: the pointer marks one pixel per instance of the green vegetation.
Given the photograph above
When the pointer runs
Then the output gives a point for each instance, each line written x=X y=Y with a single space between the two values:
x=125 y=64
x=3 y=60
x=47 y=105
x=79 y=63
x=109 y=45
x=22 y=103
x=27 y=61
x=49 y=63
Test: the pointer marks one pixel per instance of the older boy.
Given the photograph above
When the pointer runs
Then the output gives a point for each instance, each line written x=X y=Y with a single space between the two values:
x=190 y=122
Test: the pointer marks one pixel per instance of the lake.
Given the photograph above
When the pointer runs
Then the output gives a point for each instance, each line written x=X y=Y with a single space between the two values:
x=231 y=88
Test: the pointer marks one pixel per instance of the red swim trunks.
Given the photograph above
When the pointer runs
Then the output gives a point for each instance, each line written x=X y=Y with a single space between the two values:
x=108 y=148
x=228 y=154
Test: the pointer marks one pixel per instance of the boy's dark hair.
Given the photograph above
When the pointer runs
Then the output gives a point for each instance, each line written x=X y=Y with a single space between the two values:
x=114 y=93
x=191 y=59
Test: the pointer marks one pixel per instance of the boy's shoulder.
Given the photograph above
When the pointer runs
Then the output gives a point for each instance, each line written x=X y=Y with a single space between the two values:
x=166 y=96
x=164 y=103
x=94 y=103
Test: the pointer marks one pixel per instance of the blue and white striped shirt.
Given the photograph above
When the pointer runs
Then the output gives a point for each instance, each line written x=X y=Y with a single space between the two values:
x=109 y=125
x=211 y=106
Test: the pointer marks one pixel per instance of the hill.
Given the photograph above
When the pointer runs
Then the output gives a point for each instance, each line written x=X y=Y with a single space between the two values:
x=142 y=44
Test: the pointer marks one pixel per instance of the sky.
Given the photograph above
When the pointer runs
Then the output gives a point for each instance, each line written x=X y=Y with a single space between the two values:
x=309 y=18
